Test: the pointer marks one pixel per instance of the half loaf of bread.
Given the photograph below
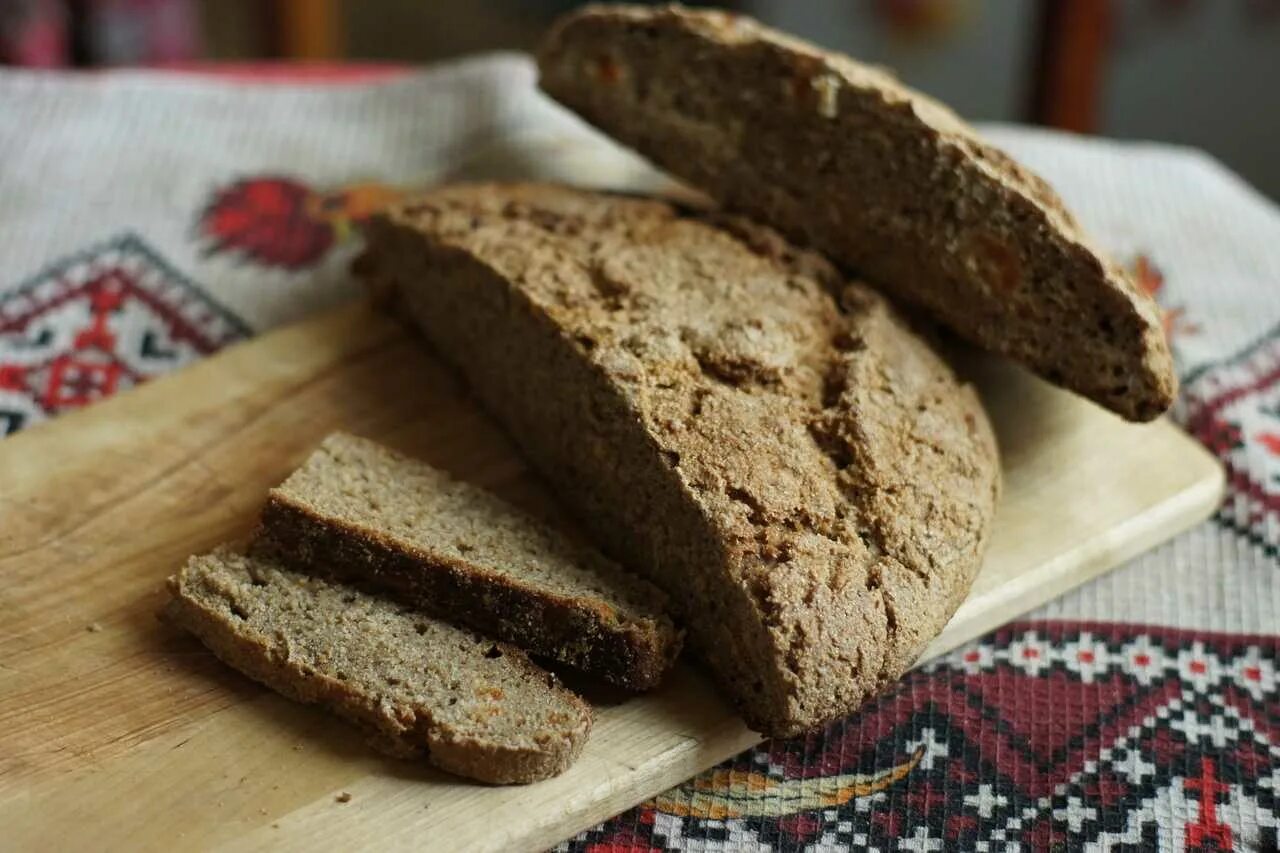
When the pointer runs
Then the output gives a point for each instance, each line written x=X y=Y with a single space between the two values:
x=805 y=477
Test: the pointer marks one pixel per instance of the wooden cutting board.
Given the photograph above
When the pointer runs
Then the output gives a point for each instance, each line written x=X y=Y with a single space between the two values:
x=118 y=732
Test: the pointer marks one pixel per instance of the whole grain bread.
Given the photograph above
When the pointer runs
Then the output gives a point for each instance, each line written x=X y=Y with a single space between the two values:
x=884 y=180
x=419 y=686
x=361 y=511
x=807 y=480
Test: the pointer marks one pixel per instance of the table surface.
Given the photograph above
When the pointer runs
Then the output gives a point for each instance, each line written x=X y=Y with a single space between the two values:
x=138 y=731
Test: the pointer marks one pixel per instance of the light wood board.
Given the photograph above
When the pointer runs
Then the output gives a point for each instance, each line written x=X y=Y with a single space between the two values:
x=118 y=732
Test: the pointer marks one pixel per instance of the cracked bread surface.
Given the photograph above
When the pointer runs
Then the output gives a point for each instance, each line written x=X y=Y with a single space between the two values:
x=420 y=687
x=806 y=479
x=882 y=179
x=361 y=511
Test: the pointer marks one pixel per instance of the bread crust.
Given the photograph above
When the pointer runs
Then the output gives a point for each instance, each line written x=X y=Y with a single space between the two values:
x=807 y=480
x=884 y=180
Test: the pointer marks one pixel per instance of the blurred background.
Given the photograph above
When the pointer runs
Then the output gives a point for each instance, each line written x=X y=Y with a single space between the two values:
x=1196 y=72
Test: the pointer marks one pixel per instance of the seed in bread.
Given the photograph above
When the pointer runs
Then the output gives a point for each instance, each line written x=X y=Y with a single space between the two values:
x=420 y=687
x=367 y=513
x=884 y=180
x=806 y=479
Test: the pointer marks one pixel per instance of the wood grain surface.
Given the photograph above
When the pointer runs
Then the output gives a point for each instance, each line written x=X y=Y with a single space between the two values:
x=118 y=732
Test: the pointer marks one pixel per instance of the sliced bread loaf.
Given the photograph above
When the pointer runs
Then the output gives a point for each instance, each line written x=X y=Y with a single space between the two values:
x=884 y=180
x=364 y=512
x=807 y=480
x=420 y=686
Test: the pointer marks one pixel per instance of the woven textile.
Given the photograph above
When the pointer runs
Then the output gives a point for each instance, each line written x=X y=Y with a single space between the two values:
x=148 y=220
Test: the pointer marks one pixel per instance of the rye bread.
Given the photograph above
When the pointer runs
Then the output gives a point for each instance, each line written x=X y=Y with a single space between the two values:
x=420 y=687
x=806 y=479
x=884 y=180
x=363 y=512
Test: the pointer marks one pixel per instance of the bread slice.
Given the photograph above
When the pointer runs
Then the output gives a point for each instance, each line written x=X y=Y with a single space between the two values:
x=807 y=480
x=884 y=180
x=420 y=686
x=364 y=512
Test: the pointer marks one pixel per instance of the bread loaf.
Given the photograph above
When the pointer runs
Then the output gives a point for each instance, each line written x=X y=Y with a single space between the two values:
x=806 y=479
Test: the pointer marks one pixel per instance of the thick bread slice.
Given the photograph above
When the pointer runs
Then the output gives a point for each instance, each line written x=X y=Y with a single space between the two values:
x=809 y=483
x=361 y=511
x=422 y=687
x=884 y=180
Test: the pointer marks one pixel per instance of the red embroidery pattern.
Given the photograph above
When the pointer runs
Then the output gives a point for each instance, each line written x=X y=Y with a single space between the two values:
x=280 y=222
x=98 y=323
x=1042 y=736
x=1150 y=279
x=1233 y=408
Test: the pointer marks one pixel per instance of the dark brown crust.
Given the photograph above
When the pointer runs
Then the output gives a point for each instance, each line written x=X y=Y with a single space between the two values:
x=578 y=632
x=884 y=180
x=253 y=656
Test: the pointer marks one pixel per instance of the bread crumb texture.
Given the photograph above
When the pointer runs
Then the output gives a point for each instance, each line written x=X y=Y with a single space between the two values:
x=418 y=686
x=441 y=544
